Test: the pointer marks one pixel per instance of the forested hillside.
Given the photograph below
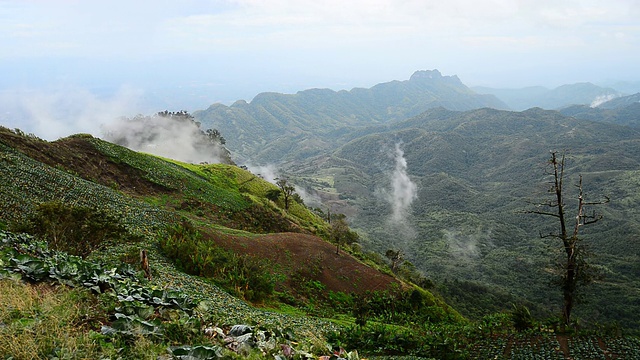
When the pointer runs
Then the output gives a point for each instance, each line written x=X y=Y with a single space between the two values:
x=621 y=111
x=476 y=173
x=167 y=257
x=425 y=238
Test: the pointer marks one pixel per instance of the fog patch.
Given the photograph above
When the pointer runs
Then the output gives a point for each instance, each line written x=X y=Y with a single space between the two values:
x=171 y=135
x=400 y=195
x=60 y=112
x=461 y=245
x=268 y=172
x=310 y=198
x=601 y=99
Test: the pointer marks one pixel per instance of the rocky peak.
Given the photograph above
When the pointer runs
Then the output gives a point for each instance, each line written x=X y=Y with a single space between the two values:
x=426 y=75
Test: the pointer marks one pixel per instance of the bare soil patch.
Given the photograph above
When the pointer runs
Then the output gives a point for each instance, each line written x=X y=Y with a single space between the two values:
x=302 y=256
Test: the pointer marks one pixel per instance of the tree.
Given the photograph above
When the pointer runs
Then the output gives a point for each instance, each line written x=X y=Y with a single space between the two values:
x=341 y=234
x=215 y=137
x=396 y=256
x=575 y=269
x=286 y=190
x=273 y=194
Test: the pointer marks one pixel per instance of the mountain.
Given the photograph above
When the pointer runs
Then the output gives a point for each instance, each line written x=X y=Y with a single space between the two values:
x=624 y=110
x=562 y=96
x=475 y=173
x=90 y=171
x=211 y=227
x=620 y=102
x=273 y=126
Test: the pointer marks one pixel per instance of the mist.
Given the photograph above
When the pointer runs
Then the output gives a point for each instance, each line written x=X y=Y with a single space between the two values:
x=177 y=137
x=403 y=192
x=268 y=172
x=599 y=100
x=54 y=113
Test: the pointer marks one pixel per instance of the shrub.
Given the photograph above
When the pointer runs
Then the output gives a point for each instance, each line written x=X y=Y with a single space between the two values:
x=77 y=230
x=521 y=317
x=244 y=276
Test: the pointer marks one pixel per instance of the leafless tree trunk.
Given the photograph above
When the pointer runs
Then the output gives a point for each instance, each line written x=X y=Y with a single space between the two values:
x=574 y=267
x=144 y=263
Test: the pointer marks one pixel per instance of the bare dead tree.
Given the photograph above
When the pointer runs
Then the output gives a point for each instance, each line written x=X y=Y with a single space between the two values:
x=575 y=268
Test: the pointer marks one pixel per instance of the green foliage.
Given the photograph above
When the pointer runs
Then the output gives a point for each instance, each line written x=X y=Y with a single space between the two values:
x=27 y=182
x=476 y=172
x=76 y=230
x=286 y=190
x=244 y=276
x=341 y=234
x=401 y=307
x=273 y=195
x=382 y=339
x=132 y=319
x=521 y=317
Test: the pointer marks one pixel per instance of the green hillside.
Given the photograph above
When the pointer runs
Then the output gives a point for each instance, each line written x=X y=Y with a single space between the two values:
x=150 y=257
x=620 y=111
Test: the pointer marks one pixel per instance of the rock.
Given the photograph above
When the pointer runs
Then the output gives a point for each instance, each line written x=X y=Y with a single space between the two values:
x=239 y=330
x=214 y=331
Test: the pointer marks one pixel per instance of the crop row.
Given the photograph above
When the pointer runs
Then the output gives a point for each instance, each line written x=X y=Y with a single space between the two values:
x=27 y=182
x=548 y=347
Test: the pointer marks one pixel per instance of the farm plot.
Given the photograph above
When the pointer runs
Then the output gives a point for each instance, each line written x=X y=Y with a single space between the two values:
x=214 y=190
x=26 y=183
x=552 y=347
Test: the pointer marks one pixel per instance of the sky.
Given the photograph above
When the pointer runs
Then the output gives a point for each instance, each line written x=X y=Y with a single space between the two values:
x=131 y=56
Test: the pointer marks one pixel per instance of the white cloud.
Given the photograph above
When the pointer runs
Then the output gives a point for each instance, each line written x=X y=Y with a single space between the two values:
x=344 y=40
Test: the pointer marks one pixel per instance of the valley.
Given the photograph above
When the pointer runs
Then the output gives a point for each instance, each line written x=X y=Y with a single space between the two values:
x=441 y=258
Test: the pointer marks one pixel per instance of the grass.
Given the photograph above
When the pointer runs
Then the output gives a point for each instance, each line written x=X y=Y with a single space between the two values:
x=44 y=320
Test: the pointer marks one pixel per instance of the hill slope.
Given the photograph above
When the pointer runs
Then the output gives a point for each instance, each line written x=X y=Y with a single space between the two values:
x=621 y=111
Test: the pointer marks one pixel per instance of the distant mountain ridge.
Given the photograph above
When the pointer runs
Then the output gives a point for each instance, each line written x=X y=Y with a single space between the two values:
x=253 y=128
x=623 y=110
x=551 y=99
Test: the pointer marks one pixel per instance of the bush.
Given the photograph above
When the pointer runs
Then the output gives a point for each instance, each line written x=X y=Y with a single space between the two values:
x=521 y=317
x=243 y=276
x=77 y=230
x=399 y=307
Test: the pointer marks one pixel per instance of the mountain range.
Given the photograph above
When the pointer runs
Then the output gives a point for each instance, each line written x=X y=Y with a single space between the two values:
x=275 y=126
x=552 y=99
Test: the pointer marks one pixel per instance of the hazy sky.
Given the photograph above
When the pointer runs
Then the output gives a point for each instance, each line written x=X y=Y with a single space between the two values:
x=199 y=52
